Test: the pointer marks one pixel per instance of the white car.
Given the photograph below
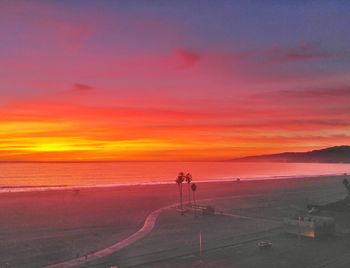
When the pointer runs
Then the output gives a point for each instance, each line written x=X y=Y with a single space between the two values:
x=264 y=245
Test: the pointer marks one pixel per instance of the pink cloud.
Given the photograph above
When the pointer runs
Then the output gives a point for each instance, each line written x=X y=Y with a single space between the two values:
x=82 y=88
x=44 y=24
x=186 y=58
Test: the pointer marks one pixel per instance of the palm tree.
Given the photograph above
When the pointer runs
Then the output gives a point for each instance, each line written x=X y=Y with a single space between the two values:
x=180 y=179
x=188 y=180
x=194 y=188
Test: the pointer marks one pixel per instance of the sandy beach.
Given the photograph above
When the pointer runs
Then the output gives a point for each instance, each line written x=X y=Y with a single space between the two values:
x=44 y=228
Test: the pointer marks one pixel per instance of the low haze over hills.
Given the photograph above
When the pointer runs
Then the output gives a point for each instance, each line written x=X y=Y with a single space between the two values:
x=336 y=154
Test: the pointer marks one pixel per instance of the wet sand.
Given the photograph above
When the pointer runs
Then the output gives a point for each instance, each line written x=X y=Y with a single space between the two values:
x=38 y=229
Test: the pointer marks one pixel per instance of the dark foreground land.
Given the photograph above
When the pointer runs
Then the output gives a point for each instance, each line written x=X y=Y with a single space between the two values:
x=38 y=229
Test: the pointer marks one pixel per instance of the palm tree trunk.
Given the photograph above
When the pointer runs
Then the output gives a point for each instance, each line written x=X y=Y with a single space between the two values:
x=195 y=205
x=189 y=194
x=181 y=198
x=179 y=193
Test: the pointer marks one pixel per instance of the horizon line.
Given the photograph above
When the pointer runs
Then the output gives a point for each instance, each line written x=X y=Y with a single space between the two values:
x=174 y=160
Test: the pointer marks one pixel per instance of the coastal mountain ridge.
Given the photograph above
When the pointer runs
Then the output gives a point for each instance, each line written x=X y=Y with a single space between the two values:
x=336 y=154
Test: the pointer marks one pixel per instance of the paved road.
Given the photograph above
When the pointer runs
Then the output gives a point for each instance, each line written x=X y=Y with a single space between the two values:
x=146 y=228
x=247 y=218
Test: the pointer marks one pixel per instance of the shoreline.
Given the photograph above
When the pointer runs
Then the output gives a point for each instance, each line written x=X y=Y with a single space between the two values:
x=44 y=188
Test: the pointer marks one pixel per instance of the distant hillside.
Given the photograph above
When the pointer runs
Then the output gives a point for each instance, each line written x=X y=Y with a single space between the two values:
x=337 y=154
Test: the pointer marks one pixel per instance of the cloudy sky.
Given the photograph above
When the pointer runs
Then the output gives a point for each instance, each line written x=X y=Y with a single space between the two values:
x=172 y=80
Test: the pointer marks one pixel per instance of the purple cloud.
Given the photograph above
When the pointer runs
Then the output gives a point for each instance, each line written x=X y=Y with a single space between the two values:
x=304 y=52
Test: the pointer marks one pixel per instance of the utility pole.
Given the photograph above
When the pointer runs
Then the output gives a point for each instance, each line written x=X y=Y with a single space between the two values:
x=200 y=244
x=299 y=227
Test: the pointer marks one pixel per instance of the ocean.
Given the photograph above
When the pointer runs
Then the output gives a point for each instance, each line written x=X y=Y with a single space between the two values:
x=16 y=177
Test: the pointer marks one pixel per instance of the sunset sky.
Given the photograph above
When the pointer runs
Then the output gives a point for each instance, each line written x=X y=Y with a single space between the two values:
x=172 y=80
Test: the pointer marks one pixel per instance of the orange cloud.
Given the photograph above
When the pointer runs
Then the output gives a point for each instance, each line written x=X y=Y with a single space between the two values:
x=48 y=130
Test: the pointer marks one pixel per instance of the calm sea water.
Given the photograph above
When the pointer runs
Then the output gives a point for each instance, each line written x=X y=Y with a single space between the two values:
x=18 y=176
